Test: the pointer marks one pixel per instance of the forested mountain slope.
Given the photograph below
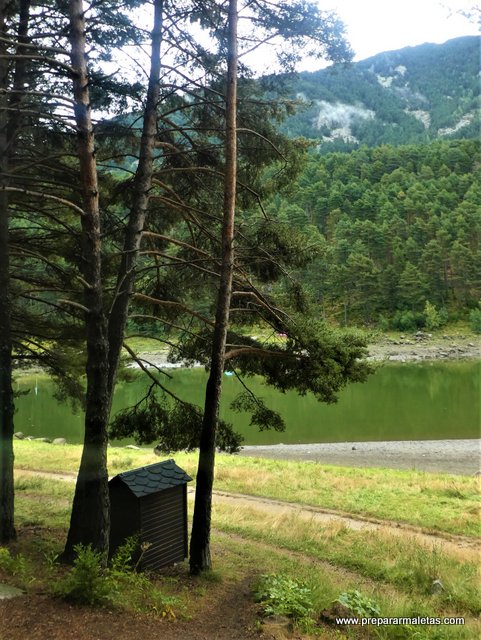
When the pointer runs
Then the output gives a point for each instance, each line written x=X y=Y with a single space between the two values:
x=415 y=94
x=395 y=227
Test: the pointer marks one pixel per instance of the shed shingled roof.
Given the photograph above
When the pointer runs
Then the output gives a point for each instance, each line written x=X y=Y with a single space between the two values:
x=153 y=478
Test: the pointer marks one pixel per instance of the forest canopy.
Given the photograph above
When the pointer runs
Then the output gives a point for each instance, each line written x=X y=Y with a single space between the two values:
x=395 y=227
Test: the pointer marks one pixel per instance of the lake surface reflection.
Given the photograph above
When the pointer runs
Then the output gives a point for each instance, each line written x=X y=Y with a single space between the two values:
x=428 y=401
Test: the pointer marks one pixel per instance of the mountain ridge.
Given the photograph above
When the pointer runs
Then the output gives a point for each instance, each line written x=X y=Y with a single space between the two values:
x=414 y=94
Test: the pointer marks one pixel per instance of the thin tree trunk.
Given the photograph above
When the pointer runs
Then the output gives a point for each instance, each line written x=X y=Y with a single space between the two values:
x=200 y=557
x=9 y=126
x=7 y=529
x=89 y=522
x=142 y=186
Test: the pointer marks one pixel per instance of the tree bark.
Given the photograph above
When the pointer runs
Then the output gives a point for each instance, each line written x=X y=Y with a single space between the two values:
x=7 y=529
x=89 y=522
x=9 y=126
x=136 y=222
x=200 y=556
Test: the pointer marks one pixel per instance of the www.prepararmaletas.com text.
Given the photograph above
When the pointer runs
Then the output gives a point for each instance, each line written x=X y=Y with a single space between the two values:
x=419 y=620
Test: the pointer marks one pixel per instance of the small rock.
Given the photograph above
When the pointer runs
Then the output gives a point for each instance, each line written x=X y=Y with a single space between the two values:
x=354 y=448
x=132 y=446
x=477 y=474
x=19 y=435
x=471 y=344
x=437 y=586
x=43 y=440
x=6 y=592
x=59 y=441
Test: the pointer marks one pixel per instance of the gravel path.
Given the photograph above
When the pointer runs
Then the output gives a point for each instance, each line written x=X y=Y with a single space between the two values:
x=462 y=457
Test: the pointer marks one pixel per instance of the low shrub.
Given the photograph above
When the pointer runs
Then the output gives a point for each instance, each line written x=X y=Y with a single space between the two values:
x=283 y=596
x=475 y=319
x=88 y=582
x=359 y=604
x=16 y=566
x=407 y=320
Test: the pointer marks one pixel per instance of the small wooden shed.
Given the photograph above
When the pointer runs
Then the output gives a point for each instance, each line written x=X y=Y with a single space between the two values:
x=151 y=502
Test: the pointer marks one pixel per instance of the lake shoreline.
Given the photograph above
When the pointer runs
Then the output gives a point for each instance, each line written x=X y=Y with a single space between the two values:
x=424 y=347
x=419 y=347
x=458 y=457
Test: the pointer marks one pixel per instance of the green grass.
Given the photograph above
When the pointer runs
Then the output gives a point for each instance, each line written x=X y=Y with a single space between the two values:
x=440 y=502
x=395 y=572
x=41 y=502
x=400 y=561
x=434 y=501
x=327 y=582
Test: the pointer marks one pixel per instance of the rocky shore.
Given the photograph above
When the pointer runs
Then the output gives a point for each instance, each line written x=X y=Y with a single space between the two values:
x=424 y=346
x=460 y=457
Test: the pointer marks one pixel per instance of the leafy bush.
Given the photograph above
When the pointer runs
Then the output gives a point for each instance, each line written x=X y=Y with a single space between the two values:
x=5 y=559
x=407 y=320
x=383 y=323
x=136 y=592
x=120 y=584
x=475 y=319
x=283 y=596
x=359 y=604
x=123 y=559
x=434 y=318
x=87 y=582
x=16 y=566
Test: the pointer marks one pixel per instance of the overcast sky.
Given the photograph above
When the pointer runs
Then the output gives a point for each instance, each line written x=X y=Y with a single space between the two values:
x=382 y=25
x=373 y=26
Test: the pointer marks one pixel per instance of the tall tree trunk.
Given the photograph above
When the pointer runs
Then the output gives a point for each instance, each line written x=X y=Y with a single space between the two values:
x=7 y=529
x=142 y=186
x=9 y=126
x=200 y=557
x=89 y=522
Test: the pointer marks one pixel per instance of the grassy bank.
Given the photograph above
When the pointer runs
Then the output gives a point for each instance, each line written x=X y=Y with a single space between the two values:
x=437 y=502
x=394 y=574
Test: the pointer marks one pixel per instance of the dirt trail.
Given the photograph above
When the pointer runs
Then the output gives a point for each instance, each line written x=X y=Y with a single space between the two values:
x=453 y=544
x=463 y=546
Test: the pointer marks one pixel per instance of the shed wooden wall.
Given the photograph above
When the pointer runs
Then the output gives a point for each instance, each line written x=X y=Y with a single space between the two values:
x=124 y=514
x=164 y=524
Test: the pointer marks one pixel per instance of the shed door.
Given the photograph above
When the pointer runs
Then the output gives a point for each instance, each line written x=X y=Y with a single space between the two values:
x=165 y=527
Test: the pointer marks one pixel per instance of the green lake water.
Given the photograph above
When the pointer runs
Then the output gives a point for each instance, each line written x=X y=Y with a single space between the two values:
x=437 y=400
